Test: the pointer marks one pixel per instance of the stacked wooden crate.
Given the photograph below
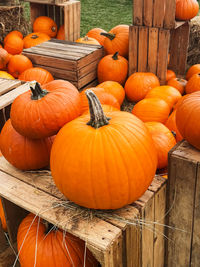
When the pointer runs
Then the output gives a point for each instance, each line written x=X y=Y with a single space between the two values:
x=155 y=34
x=62 y=12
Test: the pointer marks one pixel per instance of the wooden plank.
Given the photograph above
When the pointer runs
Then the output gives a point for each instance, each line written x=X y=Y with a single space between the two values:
x=133 y=49
x=57 y=16
x=89 y=77
x=8 y=85
x=169 y=19
x=195 y=255
x=7 y=257
x=153 y=50
x=42 y=1
x=142 y=48
x=77 y=20
x=180 y=201
x=174 y=49
x=159 y=13
x=86 y=46
x=163 y=50
x=138 y=12
x=89 y=85
x=8 y=98
x=148 y=12
x=36 y=10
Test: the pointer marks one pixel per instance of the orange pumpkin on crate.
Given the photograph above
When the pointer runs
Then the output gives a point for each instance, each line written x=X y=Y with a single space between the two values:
x=186 y=10
x=46 y=25
x=35 y=38
x=105 y=144
x=96 y=34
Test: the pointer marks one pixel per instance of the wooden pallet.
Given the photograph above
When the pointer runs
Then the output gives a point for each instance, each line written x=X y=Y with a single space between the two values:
x=62 y=12
x=183 y=200
x=9 y=90
x=70 y=61
x=153 y=35
x=116 y=238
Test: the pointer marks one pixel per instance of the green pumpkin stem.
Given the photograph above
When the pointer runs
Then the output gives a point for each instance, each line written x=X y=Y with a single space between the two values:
x=97 y=116
x=115 y=56
x=37 y=91
x=111 y=36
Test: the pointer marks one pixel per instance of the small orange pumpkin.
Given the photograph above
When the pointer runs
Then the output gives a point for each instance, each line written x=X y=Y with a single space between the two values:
x=40 y=75
x=18 y=64
x=14 y=45
x=178 y=83
x=61 y=33
x=87 y=40
x=4 y=58
x=45 y=25
x=193 y=84
x=13 y=33
x=112 y=68
x=96 y=34
x=192 y=70
x=35 y=38
x=171 y=125
x=170 y=74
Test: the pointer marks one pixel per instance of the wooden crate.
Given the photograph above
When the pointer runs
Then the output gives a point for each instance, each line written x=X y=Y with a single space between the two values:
x=153 y=35
x=9 y=90
x=67 y=13
x=70 y=61
x=131 y=236
x=183 y=201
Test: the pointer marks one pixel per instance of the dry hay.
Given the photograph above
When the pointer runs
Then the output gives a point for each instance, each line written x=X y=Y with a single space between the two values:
x=12 y=18
x=194 y=43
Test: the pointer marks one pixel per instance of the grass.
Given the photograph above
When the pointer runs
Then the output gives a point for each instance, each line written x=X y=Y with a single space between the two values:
x=104 y=14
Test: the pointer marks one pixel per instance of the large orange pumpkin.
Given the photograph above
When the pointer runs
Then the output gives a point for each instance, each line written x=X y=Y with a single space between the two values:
x=35 y=38
x=53 y=248
x=4 y=58
x=117 y=40
x=168 y=93
x=163 y=141
x=139 y=84
x=47 y=108
x=186 y=10
x=119 y=159
x=187 y=119
x=112 y=68
x=178 y=83
x=171 y=125
x=22 y=152
x=14 y=45
x=87 y=40
x=180 y=101
x=152 y=109
x=40 y=75
x=45 y=25
x=193 y=84
x=96 y=34
x=104 y=98
x=18 y=64
x=113 y=88
x=192 y=70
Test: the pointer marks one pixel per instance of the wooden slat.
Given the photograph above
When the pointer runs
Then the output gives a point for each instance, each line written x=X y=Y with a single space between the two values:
x=163 y=50
x=169 y=19
x=36 y=10
x=77 y=20
x=90 y=84
x=8 y=85
x=138 y=12
x=153 y=50
x=89 y=77
x=159 y=12
x=148 y=12
x=133 y=49
x=41 y=1
x=86 y=46
x=174 y=49
x=142 y=48
x=57 y=16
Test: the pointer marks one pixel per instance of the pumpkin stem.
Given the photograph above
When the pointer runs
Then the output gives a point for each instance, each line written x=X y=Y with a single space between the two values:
x=111 y=36
x=37 y=91
x=97 y=116
x=115 y=56
x=174 y=133
x=34 y=36
x=48 y=226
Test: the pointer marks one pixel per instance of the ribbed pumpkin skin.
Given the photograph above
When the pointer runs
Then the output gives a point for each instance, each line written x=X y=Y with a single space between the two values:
x=139 y=84
x=186 y=9
x=110 y=69
x=113 y=88
x=152 y=109
x=104 y=98
x=95 y=33
x=193 y=84
x=112 y=172
x=121 y=41
x=2 y=217
x=18 y=64
x=51 y=248
x=13 y=33
x=178 y=83
x=163 y=141
x=45 y=117
x=187 y=119
x=36 y=74
x=180 y=101
x=192 y=70
x=171 y=125
x=45 y=25
x=14 y=45
x=35 y=38
x=168 y=93
x=22 y=152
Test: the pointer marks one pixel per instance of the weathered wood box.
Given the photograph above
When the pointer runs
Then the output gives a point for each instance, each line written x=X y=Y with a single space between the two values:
x=9 y=90
x=183 y=204
x=155 y=34
x=67 y=13
x=74 y=62
x=132 y=236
